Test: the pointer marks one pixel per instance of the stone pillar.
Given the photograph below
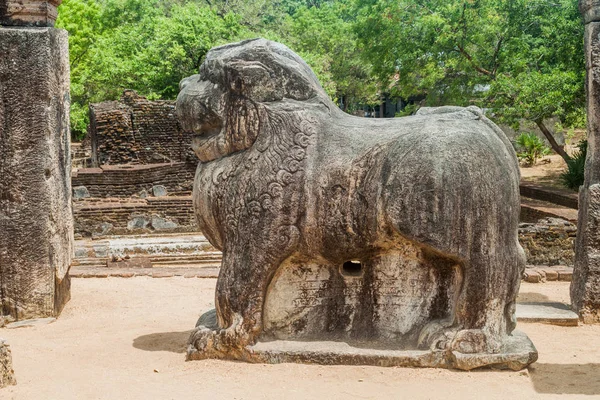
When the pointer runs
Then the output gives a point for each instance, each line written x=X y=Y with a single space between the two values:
x=585 y=287
x=36 y=222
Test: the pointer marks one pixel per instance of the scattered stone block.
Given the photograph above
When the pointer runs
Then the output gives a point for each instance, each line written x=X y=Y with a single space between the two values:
x=80 y=192
x=36 y=219
x=551 y=275
x=565 y=274
x=138 y=223
x=532 y=276
x=7 y=374
x=159 y=191
x=161 y=224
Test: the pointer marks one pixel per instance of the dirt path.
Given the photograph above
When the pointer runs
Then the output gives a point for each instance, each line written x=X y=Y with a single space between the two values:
x=116 y=332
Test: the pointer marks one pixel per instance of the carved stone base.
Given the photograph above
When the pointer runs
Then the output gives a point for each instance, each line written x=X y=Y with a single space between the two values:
x=516 y=353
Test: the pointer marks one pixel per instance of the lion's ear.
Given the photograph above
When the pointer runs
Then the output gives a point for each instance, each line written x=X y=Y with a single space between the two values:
x=253 y=80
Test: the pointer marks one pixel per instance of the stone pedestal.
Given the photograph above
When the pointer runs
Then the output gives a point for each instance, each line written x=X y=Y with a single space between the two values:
x=585 y=287
x=7 y=374
x=36 y=225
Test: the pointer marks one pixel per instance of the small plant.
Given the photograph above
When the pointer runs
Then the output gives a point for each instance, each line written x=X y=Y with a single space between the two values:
x=530 y=148
x=573 y=176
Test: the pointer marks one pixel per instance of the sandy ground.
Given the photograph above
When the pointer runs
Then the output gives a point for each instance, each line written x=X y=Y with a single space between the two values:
x=546 y=171
x=125 y=339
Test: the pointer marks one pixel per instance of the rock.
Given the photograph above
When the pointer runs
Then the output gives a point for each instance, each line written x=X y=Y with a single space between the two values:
x=36 y=218
x=159 y=191
x=339 y=229
x=160 y=224
x=138 y=222
x=80 y=192
x=7 y=374
x=532 y=276
x=565 y=274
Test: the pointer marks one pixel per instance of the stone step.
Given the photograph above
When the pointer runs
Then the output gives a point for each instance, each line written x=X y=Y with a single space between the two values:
x=542 y=273
x=547 y=313
x=558 y=196
x=190 y=271
x=535 y=209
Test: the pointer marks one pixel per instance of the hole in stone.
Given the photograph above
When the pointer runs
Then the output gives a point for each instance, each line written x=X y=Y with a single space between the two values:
x=47 y=173
x=352 y=268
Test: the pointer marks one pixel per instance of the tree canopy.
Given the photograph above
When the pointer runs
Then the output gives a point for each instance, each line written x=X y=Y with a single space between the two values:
x=521 y=59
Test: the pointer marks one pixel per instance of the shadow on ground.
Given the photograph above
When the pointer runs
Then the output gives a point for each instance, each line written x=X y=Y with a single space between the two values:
x=175 y=342
x=566 y=378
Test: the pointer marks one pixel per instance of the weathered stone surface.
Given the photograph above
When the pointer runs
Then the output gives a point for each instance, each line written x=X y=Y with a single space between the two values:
x=7 y=374
x=36 y=225
x=159 y=191
x=585 y=287
x=590 y=10
x=161 y=224
x=80 y=192
x=380 y=233
x=547 y=313
x=28 y=12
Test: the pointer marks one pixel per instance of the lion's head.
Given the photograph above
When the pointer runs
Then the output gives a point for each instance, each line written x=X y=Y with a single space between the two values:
x=223 y=104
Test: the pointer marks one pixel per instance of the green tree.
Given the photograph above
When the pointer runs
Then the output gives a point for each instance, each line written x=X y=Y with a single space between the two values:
x=145 y=45
x=493 y=53
x=323 y=34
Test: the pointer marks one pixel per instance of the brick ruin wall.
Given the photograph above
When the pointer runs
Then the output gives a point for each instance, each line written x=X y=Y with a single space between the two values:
x=134 y=172
x=101 y=217
x=549 y=241
x=134 y=180
x=135 y=130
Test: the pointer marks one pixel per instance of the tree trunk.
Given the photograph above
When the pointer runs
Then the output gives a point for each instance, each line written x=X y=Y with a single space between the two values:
x=560 y=150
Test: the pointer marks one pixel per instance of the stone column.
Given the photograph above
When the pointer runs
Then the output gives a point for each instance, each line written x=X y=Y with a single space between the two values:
x=585 y=287
x=36 y=222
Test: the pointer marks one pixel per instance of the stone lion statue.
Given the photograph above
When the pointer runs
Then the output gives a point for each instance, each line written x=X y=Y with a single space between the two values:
x=400 y=232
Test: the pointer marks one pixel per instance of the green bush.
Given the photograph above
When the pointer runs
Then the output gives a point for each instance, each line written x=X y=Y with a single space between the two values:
x=573 y=176
x=530 y=148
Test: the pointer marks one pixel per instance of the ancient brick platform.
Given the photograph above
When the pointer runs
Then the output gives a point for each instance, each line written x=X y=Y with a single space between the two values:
x=137 y=130
x=96 y=217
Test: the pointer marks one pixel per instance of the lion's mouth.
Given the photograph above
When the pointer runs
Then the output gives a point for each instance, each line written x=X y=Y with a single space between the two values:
x=208 y=143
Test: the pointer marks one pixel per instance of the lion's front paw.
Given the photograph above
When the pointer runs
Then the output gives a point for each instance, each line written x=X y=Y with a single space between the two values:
x=471 y=341
x=436 y=335
x=207 y=342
